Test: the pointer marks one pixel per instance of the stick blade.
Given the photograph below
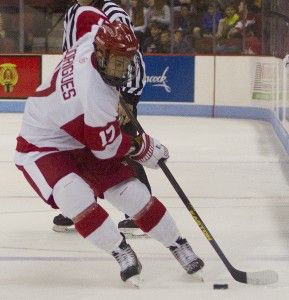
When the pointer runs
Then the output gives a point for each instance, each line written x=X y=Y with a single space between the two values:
x=262 y=277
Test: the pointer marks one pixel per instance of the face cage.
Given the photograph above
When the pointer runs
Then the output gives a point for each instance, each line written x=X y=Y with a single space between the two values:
x=133 y=69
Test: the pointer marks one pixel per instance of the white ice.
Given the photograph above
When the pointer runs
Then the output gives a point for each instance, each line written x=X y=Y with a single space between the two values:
x=235 y=173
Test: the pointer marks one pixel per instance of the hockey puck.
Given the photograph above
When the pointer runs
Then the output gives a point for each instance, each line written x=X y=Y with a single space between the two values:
x=221 y=286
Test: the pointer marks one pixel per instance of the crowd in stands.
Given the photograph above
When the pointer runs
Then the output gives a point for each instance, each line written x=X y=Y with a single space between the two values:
x=190 y=26
x=202 y=26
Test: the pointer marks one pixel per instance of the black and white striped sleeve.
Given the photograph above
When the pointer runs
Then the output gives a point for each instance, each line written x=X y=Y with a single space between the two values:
x=69 y=28
x=115 y=12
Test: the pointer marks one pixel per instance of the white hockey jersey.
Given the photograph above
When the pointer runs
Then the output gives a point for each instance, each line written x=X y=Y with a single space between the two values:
x=72 y=110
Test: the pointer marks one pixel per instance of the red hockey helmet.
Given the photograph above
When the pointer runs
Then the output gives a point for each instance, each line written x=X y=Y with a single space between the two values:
x=116 y=49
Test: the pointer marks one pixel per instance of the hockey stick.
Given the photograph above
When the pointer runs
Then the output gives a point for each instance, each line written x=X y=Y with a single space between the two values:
x=257 y=278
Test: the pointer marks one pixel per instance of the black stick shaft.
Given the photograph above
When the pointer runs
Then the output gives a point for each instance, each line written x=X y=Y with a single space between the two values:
x=236 y=274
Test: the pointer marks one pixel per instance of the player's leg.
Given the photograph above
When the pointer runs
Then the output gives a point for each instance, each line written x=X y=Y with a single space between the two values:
x=61 y=186
x=76 y=200
x=127 y=225
x=62 y=223
x=133 y=198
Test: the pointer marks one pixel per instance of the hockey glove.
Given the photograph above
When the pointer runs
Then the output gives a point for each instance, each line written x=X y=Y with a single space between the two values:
x=148 y=151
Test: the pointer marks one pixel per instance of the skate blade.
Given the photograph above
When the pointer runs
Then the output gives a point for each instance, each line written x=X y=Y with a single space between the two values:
x=133 y=233
x=197 y=276
x=58 y=228
x=135 y=281
x=130 y=230
x=136 y=236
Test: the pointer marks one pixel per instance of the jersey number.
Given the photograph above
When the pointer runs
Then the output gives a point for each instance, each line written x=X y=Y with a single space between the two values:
x=107 y=135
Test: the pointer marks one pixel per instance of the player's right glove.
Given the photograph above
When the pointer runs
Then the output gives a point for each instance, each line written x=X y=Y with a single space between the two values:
x=148 y=151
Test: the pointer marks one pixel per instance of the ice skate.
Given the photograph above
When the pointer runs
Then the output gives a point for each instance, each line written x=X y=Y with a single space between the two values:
x=130 y=229
x=185 y=255
x=130 y=267
x=62 y=224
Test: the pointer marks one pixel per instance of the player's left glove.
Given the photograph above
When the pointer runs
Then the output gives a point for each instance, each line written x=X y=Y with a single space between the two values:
x=148 y=151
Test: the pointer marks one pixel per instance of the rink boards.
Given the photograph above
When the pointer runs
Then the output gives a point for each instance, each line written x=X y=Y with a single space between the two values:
x=248 y=87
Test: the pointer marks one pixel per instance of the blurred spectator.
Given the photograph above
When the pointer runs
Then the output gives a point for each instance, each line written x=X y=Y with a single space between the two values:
x=203 y=35
x=210 y=20
x=8 y=45
x=225 y=3
x=257 y=3
x=227 y=23
x=181 y=44
x=245 y=36
x=249 y=28
x=178 y=3
x=136 y=12
x=201 y=6
x=2 y=31
x=185 y=19
x=152 y=43
x=250 y=21
x=165 y=41
x=29 y=27
x=191 y=39
x=10 y=19
x=124 y=4
x=157 y=11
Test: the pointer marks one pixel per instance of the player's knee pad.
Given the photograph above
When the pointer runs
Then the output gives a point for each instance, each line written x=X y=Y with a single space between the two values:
x=130 y=196
x=72 y=195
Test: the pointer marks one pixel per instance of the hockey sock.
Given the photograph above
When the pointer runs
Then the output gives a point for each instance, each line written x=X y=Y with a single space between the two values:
x=75 y=198
x=95 y=225
x=156 y=221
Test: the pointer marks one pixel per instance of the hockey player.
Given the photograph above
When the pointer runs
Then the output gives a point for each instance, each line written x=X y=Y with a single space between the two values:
x=71 y=148
x=78 y=21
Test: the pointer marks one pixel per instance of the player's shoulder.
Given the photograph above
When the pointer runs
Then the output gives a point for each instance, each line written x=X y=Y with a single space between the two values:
x=85 y=67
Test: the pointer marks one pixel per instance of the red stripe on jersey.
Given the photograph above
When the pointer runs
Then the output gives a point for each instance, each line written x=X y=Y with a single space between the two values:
x=51 y=89
x=50 y=200
x=75 y=128
x=30 y=181
x=85 y=21
x=90 y=219
x=25 y=147
x=150 y=215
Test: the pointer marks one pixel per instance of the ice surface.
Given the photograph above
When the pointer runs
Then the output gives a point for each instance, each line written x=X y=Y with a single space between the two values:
x=235 y=173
